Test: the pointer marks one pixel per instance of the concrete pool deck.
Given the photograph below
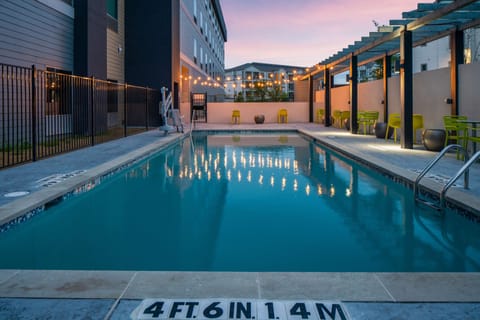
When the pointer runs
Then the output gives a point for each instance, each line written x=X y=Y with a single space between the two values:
x=113 y=294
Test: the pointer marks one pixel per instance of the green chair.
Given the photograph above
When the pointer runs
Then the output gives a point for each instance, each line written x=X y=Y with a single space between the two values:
x=474 y=137
x=394 y=122
x=367 y=119
x=343 y=116
x=336 y=118
x=321 y=116
x=456 y=132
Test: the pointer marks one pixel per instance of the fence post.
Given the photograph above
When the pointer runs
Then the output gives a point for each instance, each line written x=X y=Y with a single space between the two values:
x=34 y=113
x=92 y=110
x=125 y=110
x=146 y=108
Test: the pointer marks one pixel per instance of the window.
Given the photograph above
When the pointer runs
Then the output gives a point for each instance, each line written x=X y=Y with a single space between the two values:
x=195 y=10
x=112 y=9
x=423 y=67
x=195 y=50
x=58 y=87
x=112 y=15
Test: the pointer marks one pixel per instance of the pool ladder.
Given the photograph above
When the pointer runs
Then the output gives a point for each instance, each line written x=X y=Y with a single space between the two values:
x=463 y=170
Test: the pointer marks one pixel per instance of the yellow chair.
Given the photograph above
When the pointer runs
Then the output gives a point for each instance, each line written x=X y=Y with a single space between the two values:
x=282 y=116
x=417 y=124
x=236 y=116
x=337 y=118
x=321 y=116
x=394 y=123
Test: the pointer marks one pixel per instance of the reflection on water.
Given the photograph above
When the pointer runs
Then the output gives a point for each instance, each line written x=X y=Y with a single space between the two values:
x=245 y=203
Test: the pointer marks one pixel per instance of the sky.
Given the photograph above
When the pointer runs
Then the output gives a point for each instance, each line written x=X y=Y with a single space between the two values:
x=301 y=32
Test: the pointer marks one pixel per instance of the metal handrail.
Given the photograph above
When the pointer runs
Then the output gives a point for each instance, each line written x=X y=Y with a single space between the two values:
x=462 y=170
x=434 y=161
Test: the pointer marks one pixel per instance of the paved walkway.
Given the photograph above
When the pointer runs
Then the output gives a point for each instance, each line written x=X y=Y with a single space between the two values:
x=114 y=295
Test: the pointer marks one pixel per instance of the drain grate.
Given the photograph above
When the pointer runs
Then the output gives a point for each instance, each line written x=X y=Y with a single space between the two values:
x=16 y=194
x=56 y=178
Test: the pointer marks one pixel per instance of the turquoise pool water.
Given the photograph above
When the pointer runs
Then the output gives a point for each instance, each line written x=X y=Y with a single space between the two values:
x=276 y=202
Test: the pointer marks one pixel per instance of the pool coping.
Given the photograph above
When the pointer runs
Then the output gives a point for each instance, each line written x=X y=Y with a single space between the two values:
x=368 y=287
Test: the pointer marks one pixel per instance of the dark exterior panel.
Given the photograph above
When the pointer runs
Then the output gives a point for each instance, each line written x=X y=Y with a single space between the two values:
x=91 y=38
x=151 y=44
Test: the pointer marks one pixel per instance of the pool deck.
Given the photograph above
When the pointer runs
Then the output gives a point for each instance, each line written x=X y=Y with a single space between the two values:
x=33 y=294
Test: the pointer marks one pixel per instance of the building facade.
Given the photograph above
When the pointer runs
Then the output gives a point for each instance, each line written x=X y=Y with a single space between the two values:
x=178 y=44
x=202 y=42
x=261 y=82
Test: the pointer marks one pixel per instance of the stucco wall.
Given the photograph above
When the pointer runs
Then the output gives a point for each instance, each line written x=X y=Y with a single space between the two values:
x=340 y=98
x=469 y=93
x=430 y=89
x=222 y=112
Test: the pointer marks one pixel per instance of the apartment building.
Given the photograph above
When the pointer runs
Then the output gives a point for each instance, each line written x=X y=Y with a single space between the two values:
x=202 y=57
x=248 y=82
x=178 y=44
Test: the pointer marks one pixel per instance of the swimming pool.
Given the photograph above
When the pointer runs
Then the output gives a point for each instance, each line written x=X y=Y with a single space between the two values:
x=234 y=202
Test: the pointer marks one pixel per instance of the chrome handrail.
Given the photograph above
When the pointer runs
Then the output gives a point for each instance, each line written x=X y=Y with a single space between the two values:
x=462 y=170
x=433 y=162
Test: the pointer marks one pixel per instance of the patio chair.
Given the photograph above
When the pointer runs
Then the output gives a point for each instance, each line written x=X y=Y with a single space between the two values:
x=336 y=118
x=282 y=116
x=367 y=119
x=455 y=131
x=236 y=116
x=417 y=124
x=474 y=137
x=344 y=115
x=321 y=116
x=394 y=123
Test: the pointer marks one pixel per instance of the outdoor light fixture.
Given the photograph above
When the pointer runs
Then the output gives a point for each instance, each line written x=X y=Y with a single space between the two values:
x=448 y=100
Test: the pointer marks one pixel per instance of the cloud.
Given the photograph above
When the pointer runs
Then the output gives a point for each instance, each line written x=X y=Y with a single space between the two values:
x=305 y=31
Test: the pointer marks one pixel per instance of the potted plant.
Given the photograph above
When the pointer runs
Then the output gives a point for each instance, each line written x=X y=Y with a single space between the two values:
x=259 y=118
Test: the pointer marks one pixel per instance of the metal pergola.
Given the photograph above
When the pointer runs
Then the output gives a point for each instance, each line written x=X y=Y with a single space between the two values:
x=430 y=21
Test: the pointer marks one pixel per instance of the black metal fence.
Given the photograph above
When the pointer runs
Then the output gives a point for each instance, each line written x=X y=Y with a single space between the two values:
x=44 y=113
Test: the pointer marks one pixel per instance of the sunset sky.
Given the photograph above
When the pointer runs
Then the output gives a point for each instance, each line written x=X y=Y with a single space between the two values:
x=301 y=32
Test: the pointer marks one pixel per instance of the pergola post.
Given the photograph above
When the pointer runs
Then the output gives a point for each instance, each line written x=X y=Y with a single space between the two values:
x=310 y=98
x=457 y=57
x=353 y=94
x=406 y=90
x=328 y=108
x=387 y=73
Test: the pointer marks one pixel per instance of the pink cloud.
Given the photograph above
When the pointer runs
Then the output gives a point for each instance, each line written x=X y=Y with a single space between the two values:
x=301 y=32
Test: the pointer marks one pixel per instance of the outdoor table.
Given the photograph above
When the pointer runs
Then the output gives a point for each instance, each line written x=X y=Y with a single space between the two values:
x=474 y=124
